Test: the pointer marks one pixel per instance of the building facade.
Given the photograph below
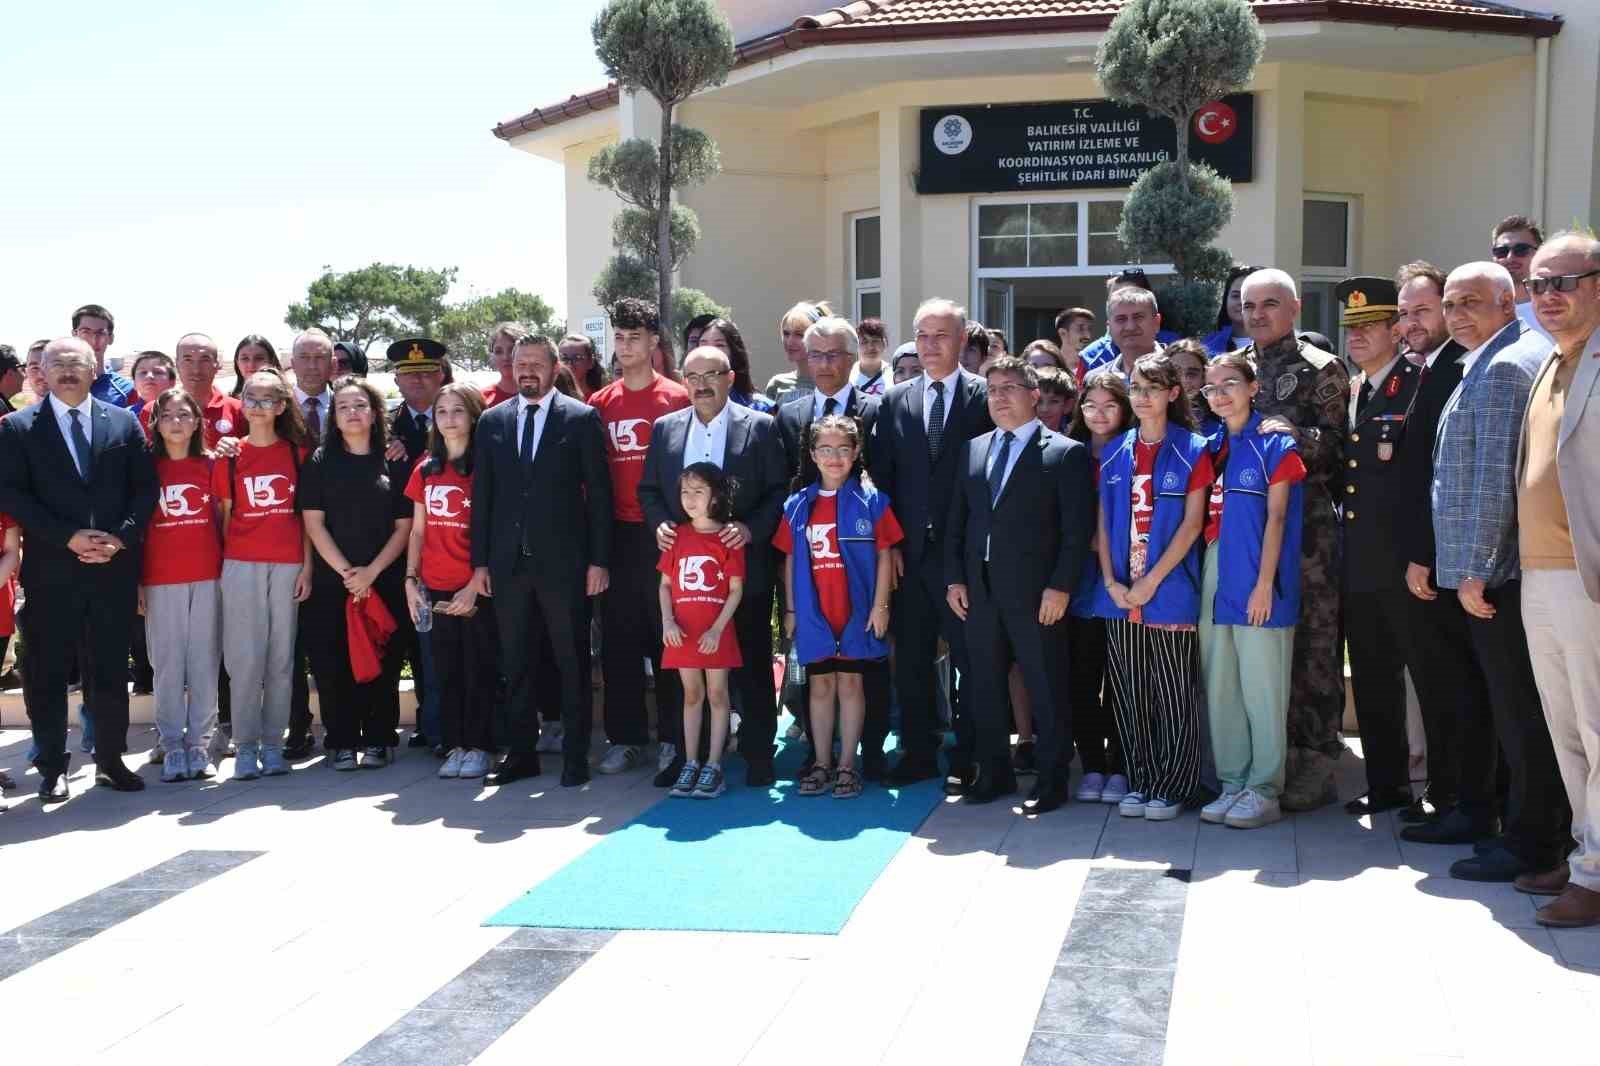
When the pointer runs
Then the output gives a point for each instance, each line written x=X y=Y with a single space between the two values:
x=888 y=150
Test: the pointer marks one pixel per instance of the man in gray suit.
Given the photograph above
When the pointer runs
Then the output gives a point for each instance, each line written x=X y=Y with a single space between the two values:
x=1558 y=520
x=1475 y=523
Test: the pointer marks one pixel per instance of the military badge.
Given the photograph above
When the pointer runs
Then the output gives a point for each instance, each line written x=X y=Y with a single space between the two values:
x=1287 y=383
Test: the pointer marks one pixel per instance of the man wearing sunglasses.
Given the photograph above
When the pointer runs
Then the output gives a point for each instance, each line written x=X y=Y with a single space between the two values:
x=1512 y=244
x=1558 y=530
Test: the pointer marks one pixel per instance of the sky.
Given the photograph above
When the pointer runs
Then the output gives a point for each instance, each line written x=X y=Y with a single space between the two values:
x=193 y=165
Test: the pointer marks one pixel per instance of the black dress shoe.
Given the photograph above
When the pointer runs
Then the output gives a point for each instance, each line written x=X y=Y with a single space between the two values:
x=1454 y=828
x=53 y=789
x=1497 y=864
x=1022 y=761
x=1378 y=802
x=1047 y=795
x=757 y=774
x=913 y=768
x=514 y=768
x=989 y=785
x=572 y=777
x=417 y=740
x=118 y=777
x=874 y=768
x=297 y=748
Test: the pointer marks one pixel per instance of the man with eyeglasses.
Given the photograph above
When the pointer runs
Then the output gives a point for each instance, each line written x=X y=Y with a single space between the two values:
x=1106 y=349
x=746 y=445
x=1512 y=244
x=94 y=325
x=1305 y=391
x=1376 y=611
x=1474 y=495
x=1558 y=538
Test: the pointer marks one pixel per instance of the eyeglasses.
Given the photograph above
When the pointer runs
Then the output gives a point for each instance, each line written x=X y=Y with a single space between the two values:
x=1560 y=283
x=1007 y=390
x=1519 y=249
x=827 y=357
x=1098 y=409
x=1231 y=385
x=1146 y=391
x=177 y=416
x=259 y=403
x=695 y=381
x=828 y=451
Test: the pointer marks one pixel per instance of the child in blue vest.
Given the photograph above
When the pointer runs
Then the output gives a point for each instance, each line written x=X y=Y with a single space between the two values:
x=1250 y=598
x=1103 y=415
x=1153 y=486
x=838 y=594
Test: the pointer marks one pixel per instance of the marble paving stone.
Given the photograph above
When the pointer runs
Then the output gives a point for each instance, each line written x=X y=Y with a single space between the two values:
x=434 y=1038
x=1092 y=1001
x=94 y=913
x=585 y=940
x=18 y=953
x=187 y=870
x=1060 y=1049
x=506 y=981
x=1123 y=940
x=1134 y=890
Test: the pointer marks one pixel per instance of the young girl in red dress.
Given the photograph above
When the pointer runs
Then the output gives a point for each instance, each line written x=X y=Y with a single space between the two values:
x=702 y=580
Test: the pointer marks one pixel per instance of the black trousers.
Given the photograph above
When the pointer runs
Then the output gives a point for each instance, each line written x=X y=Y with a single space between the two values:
x=364 y=715
x=466 y=658
x=631 y=628
x=753 y=691
x=1451 y=689
x=531 y=607
x=921 y=616
x=1094 y=727
x=1376 y=630
x=98 y=616
x=997 y=637
x=1537 y=815
x=143 y=674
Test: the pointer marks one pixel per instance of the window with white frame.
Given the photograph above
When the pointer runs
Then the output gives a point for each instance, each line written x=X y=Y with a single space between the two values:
x=866 y=266
x=1327 y=255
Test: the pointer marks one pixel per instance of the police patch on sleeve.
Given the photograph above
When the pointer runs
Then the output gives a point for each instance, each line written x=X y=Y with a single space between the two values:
x=1286 y=385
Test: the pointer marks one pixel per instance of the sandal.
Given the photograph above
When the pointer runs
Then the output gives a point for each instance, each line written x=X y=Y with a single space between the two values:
x=846 y=784
x=816 y=781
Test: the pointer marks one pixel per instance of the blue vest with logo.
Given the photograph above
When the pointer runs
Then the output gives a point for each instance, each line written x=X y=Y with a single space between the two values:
x=1253 y=457
x=1090 y=599
x=1177 y=599
x=860 y=507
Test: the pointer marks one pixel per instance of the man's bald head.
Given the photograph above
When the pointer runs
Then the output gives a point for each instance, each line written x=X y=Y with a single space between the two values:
x=1480 y=300
x=1270 y=303
x=1570 y=317
x=69 y=368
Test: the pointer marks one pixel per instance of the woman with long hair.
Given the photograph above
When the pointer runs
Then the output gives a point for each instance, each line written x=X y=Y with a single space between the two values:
x=358 y=519
x=1230 y=333
x=578 y=356
x=252 y=353
x=723 y=335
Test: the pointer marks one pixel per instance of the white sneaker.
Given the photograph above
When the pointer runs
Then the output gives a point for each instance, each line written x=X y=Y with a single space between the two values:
x=620 y=758
x=1215 y=811
x=550 y=739
x=246 y=764
x=1160 y=810
x=1132 y=805
x=199 y=762
x=175 y=766
x=474 y=763
x=1091 y=788
x=1116 y=789
x=1253 y=811
x=666 y=757
x=452 y=763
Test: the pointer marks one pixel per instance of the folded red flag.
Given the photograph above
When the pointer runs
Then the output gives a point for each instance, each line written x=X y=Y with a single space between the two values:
x=370 y=625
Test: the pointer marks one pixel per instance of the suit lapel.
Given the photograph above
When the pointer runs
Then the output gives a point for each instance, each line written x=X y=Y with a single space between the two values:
x=1584 y=383
x=914 y=400
x=1030 y=459
x=45 y=423
x=677 y=447
x=738 y=431
x=99 y=434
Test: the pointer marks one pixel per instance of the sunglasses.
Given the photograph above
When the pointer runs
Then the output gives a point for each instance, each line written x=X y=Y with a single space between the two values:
x=1520 y=249
x=1560 y=283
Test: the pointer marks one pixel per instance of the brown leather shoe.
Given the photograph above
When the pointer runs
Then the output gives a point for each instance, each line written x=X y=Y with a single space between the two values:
x=1576 y=907
x=1546 y=883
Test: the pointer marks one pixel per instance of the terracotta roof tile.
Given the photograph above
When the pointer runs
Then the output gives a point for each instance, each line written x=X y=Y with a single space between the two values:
x=911 y=12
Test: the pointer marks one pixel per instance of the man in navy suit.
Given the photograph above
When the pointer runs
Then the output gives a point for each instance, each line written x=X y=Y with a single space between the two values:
x=1015 y=544
x=541 y=543
x=922 y=424
x=745 y=444
x=77 y=476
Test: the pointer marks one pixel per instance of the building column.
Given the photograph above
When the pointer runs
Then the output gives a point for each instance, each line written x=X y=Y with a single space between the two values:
x=1283 y=159
x=900 y=219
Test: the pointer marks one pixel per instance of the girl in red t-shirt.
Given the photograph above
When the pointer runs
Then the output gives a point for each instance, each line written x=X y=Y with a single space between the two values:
x=10 y=559
x=179 y=594
x=464 y=640
x=266 y=570
x=702 y=580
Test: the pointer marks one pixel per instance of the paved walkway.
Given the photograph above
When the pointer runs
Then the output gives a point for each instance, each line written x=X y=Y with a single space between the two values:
x=330 y=917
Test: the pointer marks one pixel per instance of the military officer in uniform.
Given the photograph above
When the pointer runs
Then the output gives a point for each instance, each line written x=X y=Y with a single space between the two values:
x=1305 y=391
x=1375 y=596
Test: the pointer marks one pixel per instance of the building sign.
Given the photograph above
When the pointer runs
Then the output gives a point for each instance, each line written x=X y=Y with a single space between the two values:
x=1074 y=144
x=595 y=330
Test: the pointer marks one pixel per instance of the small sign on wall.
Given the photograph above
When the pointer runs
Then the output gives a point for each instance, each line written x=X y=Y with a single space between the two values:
x=595 y=329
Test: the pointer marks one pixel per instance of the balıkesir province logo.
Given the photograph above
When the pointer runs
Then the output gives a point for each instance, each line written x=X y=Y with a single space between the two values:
x=952 y=134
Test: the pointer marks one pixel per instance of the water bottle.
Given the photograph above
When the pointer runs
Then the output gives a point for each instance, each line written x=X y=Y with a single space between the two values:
x=424 y=615
x=794 y=672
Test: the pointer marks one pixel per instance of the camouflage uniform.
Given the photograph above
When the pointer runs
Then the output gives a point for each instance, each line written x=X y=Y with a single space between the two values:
x=1309 y=388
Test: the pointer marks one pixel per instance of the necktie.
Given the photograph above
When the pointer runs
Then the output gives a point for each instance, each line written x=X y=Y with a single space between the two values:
x=1363 y=396
x=997 y=472
x=936 y=421
x=829 y=406
x=422 y=427
x=526 y=452
x=80 y=443
x=314 y=417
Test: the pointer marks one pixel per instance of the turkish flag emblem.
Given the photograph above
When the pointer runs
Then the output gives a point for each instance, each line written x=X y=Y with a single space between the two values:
x=1215 y=122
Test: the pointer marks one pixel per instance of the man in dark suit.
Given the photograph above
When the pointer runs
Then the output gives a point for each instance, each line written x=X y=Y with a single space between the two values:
x=1376 y=608
x=1450 y=687
x=1015 y=545
x=541 y=544
x=77 y=475
x=921 y=426
x=745 y=444
x=831 y=347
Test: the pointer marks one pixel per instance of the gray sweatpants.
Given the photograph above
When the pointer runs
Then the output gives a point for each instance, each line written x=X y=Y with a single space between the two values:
x=258 y=646
x=185 y=643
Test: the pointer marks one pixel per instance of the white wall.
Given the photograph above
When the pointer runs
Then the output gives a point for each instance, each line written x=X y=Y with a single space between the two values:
x=590 y=210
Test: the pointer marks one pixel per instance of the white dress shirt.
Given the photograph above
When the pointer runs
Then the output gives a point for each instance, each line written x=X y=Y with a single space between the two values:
x=950 y=385
x=540 y=417
x=708 y=442
x=841 y=400
x=1428 y=362
x=1019 y=440
x=64 y=420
